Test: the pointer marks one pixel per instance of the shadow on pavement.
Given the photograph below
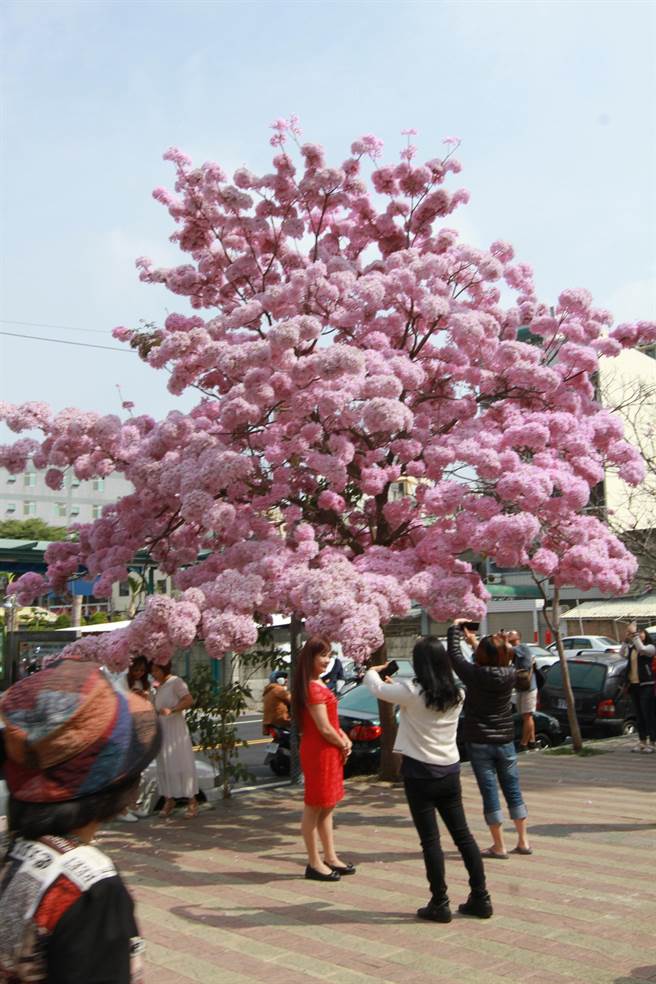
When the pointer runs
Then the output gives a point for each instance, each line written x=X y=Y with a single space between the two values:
x=644 y=974
x=306 y=914
x=571 y=829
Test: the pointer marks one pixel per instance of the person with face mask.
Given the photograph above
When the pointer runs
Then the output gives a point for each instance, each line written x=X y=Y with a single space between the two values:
x=276 y=703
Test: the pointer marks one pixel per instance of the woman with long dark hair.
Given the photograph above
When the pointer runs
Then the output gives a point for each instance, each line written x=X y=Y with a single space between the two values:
x=639 y=649
x=430 y=706
x=490 y=730
x=138 y=676
x=324 y=749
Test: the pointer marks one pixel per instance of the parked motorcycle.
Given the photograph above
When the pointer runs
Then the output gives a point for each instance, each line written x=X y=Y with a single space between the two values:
x=277 y=755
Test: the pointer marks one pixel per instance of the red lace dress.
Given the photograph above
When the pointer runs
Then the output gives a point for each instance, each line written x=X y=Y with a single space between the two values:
x=321 y=762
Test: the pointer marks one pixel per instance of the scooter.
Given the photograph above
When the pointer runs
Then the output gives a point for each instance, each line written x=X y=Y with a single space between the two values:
x=278 y=751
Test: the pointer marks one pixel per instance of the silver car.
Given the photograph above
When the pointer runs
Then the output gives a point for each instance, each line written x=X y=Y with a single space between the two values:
x=602 y=644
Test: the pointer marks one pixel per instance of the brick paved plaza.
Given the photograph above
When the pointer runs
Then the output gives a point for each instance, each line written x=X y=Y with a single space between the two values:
x=222 y=900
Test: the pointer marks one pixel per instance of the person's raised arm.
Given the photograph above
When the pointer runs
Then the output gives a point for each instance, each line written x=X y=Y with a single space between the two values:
x=640 y=647
x=462 y=667
x=393 y=693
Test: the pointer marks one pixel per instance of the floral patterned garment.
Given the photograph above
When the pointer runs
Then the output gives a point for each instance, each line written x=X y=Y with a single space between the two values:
x=66 y=916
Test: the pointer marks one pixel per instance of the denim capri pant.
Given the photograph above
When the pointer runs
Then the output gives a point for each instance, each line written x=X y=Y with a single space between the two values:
x=497 y=762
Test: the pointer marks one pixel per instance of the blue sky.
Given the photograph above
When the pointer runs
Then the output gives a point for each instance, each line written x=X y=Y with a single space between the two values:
x=554 y=103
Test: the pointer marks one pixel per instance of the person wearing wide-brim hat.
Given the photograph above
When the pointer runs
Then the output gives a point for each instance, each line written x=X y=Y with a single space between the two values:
x=75 y=748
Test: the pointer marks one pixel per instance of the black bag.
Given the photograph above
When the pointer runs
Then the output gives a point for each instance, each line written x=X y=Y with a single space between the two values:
x=540 y=677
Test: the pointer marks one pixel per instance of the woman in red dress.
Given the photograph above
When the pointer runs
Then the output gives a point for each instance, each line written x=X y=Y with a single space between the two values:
x=324 y=749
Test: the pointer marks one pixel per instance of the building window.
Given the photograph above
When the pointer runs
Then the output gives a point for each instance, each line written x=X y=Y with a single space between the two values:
x=11 y=507
x=75 y=510
x=124 y=589
x=96 y=512
x=75 y=482
x=61 y=509
x=29 y=509
x=99 y=485
x=11 y=479
x=29 y=480
x=161 y=586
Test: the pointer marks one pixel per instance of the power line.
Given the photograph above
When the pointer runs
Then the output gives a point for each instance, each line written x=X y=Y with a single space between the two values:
x=65 y=341
x=42 y=324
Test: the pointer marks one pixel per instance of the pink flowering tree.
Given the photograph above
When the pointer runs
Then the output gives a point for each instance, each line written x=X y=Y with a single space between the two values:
x=367 y=413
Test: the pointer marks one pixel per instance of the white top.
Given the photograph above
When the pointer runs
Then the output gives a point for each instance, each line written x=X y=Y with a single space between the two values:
x=424 y=733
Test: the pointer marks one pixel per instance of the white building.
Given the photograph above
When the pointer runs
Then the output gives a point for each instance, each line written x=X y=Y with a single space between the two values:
x=628 y=385
x=26 y=496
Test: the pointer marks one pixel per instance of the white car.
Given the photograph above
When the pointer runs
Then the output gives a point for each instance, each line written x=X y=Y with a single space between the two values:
x=600 y=643
x=544 y=658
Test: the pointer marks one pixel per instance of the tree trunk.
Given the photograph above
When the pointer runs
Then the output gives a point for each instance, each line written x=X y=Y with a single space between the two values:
x=76 y=611
x=575 y=731
x=390 y=761
x=295 y=630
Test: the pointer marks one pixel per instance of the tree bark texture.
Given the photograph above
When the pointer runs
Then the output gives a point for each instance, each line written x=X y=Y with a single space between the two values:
x=554 y=625
x=390 y=761
x=295 y=631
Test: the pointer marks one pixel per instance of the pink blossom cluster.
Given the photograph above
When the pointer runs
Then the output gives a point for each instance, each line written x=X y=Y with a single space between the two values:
x=164 y=626
x=370 y=411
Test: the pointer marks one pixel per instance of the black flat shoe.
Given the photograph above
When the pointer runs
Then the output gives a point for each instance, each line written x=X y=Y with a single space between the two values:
x=436 y=913
x=315 y=875
x=342 y=869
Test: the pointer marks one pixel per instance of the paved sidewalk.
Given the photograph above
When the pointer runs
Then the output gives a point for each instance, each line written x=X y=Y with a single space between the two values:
x=221 y=899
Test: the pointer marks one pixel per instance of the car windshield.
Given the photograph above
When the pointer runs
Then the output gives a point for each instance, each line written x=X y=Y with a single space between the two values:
x=360 y=700
x=538 y=650
x=583 y=676
x=608 y=642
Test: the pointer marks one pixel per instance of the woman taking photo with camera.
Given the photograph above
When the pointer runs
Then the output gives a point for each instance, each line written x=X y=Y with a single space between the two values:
x=489 y=728
x=430 y=706
x=324 y=749
x=640 y=651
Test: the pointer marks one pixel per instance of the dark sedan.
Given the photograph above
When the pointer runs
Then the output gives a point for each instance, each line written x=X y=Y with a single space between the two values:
x=601 y=697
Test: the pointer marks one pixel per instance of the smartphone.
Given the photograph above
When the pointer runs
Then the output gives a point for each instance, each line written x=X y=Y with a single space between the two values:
x=391 y=668
x=472 y=626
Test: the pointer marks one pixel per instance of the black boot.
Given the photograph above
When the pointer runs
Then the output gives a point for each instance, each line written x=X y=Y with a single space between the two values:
x=478 y=904
x=436 y=911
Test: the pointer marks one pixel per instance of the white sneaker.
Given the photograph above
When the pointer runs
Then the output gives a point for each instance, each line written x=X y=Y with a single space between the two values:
x=128 y=817
x=648 y=749
x=638 y=748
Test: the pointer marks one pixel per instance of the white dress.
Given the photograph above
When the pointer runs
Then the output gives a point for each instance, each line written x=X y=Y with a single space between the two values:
x=176 y=765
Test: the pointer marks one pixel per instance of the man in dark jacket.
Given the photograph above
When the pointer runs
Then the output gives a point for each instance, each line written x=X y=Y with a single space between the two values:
x=489 y=730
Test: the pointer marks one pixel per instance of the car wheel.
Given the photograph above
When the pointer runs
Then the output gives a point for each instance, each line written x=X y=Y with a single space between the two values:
x=278 y=767
x=629 y=728
x=543 y=741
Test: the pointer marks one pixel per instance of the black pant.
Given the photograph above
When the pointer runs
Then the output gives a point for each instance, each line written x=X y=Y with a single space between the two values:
x=425 y=796
x=643 y=703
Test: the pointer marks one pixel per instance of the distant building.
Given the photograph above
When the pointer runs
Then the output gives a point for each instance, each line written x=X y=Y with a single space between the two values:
x=26 y=496
x=628 y=383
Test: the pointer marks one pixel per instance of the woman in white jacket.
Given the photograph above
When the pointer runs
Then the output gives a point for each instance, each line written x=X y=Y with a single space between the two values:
x=430 y=706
